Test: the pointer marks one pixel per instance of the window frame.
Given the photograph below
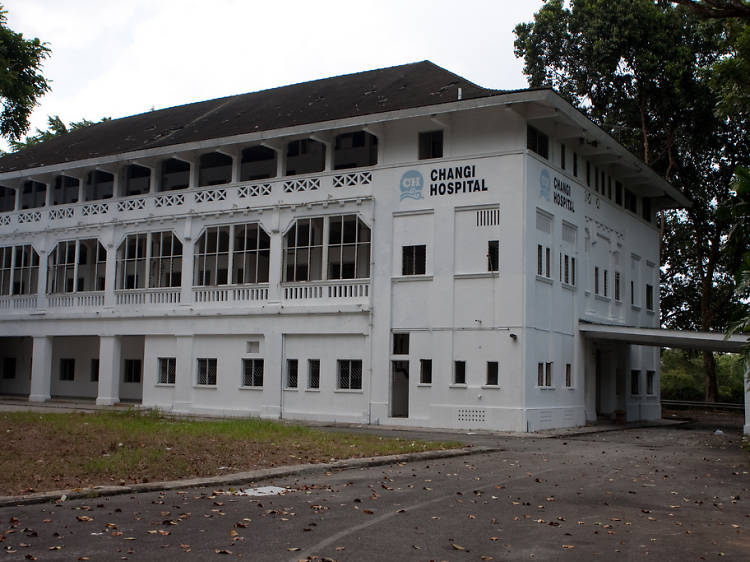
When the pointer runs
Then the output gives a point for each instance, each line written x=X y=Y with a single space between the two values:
x=345 y=372
x=204 y=366
x=414 y=260
x=255 y=377
x=166 y=370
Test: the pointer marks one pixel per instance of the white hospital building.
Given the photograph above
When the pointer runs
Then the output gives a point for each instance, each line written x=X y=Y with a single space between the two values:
x=398 y=246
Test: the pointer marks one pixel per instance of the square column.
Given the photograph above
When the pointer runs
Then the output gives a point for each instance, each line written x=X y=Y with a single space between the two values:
x=183 y=384
x=41 y=369
x=110 y=350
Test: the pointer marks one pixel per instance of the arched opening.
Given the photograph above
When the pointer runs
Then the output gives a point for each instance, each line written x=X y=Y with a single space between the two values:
x=305 y=156
x=258 y=162
x=355 y=150
x=175 y=174
x=99 y=185
x=65 y=190
x=136 y=180
x=7 y=199
x=214 y=168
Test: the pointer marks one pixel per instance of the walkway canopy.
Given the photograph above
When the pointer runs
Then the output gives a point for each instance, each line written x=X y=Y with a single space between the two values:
x=703 y=341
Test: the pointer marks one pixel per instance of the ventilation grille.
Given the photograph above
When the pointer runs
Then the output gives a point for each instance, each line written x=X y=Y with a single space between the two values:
x=569 y=234
x=488 y=217
x=478 y=415
x=543 y=222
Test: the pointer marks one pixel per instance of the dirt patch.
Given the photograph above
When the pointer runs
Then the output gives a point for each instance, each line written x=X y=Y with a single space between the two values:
x=60 y=451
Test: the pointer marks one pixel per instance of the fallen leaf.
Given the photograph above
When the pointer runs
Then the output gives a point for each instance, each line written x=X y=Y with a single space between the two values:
x=568 y=546
x=457 y=546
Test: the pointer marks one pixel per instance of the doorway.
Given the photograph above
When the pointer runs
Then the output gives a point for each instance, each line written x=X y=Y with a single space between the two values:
x=400 y=389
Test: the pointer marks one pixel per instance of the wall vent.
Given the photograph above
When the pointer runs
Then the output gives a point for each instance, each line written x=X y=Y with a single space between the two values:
x=478 y=415
x=488 y=217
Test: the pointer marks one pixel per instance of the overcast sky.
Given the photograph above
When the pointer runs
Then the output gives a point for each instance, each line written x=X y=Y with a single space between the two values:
x=121 y=57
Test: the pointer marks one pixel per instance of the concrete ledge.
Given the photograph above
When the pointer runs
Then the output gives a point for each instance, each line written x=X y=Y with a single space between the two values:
x=238 y=478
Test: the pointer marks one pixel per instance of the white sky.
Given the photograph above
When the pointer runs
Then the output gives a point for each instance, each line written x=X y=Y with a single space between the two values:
x=121 y=57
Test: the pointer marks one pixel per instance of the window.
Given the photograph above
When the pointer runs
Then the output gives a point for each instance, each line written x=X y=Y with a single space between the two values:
x=493 y=255
x=413 y=260
x=258 y=162
x=567 y=269
x=492 y=373
x=618 y=296
x=635 y=382
x=605 y=283
x=650 y=378
x=75 y=266
x=65 y=190
x=313 y=373
x=132 y=371
x=33 y=194
x=646 y=209
x=94 y=375
x=631 y=202
x=575 y=164
x=303 y=254
x=7 y=199
x=305 y=156
x=537 y=141
x=348 y=248
x=562 y=156
x=596 y=179
x=136 y=180
x=588 y=173
x=232 y=255
x=568 y=375
x=618 y=193
x=596 y=280
x=9 y=368
x=207 y=371
x=291 y=373
x=175 y=174
x=167 y=370
x=430 y=145
x=162 y=267
x=543 y=261
x=67 y=369
x=350 y=374
x=252 y=372
x=214 y=168
x=19 y=270
x=459 y=372
x=354 y=150
x=650 y=297
x=400 y=344
x=99 y=185
x=544 y=375
x=425 y=371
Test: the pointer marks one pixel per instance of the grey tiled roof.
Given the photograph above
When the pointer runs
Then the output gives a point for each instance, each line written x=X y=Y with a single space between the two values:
x=375 y=91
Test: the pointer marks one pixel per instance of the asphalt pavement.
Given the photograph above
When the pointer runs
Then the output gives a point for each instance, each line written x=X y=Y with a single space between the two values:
x=674 y=492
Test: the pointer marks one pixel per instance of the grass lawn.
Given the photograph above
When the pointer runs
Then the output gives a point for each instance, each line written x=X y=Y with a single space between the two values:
x=58 y=451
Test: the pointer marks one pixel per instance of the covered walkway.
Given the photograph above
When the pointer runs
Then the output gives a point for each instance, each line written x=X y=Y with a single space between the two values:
x=658 y=337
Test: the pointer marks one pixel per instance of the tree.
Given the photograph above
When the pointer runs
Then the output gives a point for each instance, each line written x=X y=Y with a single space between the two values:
x=21 y=80
x=56 y=127
x=642 y=71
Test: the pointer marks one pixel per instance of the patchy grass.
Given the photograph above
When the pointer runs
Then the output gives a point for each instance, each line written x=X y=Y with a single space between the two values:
x=58 y=451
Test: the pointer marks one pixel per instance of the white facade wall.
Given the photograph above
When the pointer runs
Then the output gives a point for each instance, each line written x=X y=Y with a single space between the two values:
x=460 y=309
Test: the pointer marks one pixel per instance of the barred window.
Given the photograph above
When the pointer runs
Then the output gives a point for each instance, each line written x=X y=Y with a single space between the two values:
x=425 y=371
x=152 y=259
x=19 y=270
x=76 y=265
x=350 y=374
x=167 y=370
x=459 y=372
x=207 y=371
x=292 y=372
x=252 y=372
x=492 y=373
x=313 y=373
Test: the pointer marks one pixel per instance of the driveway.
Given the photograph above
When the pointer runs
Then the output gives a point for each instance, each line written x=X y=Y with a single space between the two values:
x=664 y=493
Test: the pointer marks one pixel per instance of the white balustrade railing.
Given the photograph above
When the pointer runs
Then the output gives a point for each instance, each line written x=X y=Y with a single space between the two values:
x=328 y=290
x=17 y=302
x=132 y=297
x=73 y=300
x=230 y=295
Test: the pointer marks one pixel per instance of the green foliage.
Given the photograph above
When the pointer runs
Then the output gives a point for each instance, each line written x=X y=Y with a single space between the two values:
x=21 y=80
x=56 y=127
x=682 y=376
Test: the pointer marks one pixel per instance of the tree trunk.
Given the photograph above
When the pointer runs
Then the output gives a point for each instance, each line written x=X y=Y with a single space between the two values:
x=709 y=366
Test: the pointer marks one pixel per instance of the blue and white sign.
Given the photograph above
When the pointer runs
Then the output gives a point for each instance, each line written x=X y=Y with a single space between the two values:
x=412 y=183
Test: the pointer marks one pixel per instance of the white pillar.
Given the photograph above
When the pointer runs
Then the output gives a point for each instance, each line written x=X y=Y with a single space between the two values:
x=275 y=273
x=747 y=394
x=110 y=274
x=41 y=369
x=183 y=384
x=186 y=275
x=110 y=349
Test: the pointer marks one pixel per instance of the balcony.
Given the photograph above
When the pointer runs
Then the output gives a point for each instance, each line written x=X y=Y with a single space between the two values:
x=295 y=190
